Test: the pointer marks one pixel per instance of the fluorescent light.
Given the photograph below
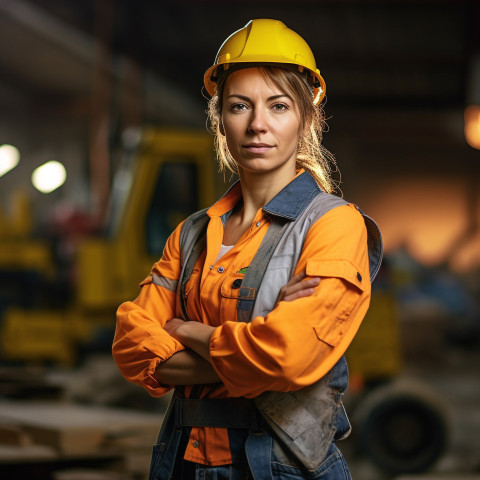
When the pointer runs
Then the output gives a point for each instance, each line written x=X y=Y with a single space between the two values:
x=49 y=176
x=9 y=158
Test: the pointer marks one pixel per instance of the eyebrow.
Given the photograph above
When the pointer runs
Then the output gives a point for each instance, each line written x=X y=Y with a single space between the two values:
x=247 y=99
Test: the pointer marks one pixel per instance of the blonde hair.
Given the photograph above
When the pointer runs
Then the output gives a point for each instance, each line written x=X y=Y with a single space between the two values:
x=311 y=154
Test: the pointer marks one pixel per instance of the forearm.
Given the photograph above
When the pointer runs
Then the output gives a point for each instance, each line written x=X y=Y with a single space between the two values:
x=293 y=346
x=185 y=368
x=194 y=366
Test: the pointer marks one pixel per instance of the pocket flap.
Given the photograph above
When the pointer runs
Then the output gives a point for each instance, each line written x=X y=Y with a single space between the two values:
x=338 y=269
x=231 y=285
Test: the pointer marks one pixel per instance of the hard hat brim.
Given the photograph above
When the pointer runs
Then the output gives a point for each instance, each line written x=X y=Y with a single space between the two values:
x=211 y=77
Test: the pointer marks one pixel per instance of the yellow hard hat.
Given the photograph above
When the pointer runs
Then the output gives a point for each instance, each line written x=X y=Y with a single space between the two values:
x=266 y=41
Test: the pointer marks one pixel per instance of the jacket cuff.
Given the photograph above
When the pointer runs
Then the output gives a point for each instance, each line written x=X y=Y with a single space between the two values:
x=150 y=383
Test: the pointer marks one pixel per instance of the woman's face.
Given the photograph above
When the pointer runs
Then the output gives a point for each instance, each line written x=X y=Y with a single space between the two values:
x=261 y=124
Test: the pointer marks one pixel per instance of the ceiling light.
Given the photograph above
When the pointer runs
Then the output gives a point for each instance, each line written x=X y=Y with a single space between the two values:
x=9 y=158
x=49 y=176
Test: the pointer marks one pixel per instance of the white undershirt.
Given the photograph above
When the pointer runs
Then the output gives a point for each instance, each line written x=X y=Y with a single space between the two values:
x=223 y=250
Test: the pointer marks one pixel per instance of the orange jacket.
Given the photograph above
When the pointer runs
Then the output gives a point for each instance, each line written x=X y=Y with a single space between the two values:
x=275 y=352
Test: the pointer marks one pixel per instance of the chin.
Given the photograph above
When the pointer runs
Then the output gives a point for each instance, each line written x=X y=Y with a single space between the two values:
x=260 y=167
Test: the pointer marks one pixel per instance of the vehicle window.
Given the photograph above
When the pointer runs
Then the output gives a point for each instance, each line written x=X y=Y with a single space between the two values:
x=175 y=197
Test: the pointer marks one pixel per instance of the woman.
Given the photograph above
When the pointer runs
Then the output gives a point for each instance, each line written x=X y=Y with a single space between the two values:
x=255 y=300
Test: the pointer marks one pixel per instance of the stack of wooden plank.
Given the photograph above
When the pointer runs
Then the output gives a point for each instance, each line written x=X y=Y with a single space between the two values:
x=51 y=431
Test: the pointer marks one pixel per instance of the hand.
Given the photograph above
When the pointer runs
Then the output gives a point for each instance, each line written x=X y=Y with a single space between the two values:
x=193 y=335
x=297 y=287
x=173 y=325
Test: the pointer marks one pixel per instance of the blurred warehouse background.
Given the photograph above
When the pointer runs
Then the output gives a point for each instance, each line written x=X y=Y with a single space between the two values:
x=103 y=149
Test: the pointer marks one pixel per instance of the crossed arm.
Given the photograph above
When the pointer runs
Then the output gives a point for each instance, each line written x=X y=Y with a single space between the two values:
x=192 y=366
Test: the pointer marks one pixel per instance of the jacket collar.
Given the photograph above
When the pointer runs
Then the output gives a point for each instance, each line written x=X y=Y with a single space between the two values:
x=290 y=202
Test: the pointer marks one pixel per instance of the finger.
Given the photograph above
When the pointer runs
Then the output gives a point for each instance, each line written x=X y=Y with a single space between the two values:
x=296 y=284
x=172 y=325
x=300 y=294
x=296 y=279
x=309 y=283
x=302 y=289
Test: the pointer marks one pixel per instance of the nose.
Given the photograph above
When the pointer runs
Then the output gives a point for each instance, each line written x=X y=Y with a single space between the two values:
x=258 y=122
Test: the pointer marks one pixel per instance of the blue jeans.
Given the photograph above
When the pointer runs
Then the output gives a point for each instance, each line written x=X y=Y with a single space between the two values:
x=255 y=455
x=333 y=467
x=260 y=463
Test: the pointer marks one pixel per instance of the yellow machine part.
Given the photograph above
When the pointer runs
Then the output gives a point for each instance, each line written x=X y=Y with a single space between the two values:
x=110 y=269
x=376 y=352
x=25 y=254
x=18 y=250
x=35 y=336
x=95 y=265
x=19 y=222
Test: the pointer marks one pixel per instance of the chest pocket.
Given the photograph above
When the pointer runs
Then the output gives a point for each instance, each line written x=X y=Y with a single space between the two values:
x=229 y=293
x=231 y=285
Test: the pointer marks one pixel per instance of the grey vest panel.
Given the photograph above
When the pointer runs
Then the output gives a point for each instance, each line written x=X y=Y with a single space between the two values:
x=189 y=233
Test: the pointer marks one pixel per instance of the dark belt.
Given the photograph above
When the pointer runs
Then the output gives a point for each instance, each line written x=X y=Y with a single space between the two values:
x=220 y=413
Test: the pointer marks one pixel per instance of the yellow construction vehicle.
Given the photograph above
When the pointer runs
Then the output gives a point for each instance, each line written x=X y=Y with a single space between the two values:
x=167 y=175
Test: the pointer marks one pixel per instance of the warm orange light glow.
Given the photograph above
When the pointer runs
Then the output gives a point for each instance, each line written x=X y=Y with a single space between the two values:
x=472 y=126
x=429 y=218
x=468 y=257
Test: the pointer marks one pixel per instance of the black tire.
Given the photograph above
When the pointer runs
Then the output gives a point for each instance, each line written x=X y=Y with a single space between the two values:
x=401 y=432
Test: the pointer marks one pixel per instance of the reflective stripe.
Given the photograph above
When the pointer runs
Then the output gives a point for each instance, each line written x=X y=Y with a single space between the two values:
x=165 y=282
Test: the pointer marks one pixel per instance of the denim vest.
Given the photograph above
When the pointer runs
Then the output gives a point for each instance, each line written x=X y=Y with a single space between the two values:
x=304 y=422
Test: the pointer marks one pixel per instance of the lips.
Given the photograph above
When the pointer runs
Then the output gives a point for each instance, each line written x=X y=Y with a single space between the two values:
x=258 y=147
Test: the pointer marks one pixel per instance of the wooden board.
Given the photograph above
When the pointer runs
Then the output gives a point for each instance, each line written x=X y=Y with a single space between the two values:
x=76 y=429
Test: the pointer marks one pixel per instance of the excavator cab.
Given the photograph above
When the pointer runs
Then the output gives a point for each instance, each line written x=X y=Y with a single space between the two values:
x=164 y=177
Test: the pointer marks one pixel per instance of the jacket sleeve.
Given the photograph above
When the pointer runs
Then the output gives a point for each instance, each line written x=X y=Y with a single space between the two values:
x=298 y=342
x=140 y=342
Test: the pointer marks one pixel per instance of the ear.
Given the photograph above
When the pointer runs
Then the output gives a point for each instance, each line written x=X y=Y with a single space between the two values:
x=220 y=127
